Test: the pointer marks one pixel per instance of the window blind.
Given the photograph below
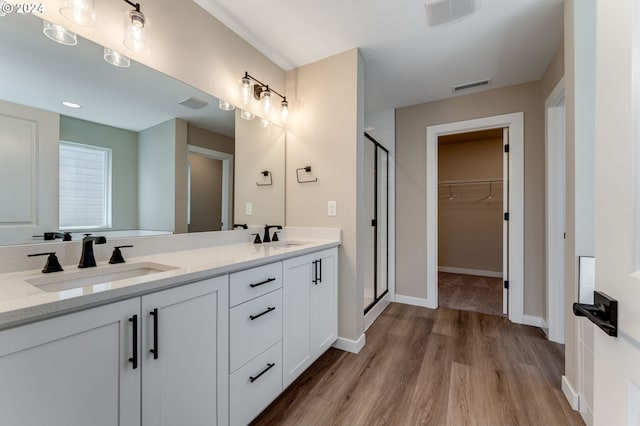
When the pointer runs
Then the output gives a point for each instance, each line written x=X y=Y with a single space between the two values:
x=85 y=186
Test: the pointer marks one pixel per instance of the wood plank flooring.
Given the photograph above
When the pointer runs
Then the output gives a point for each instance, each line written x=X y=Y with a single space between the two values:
x=470 y=293
x=433 y=367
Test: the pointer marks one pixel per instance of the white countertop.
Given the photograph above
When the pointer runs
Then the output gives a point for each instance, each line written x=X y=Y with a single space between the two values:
x=21 y=302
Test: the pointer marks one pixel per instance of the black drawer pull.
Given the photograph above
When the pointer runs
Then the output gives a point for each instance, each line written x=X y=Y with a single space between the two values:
x=269 y=367
x=134 y=359
x=267 y=281
x=154 y=350
x=252 y=317
x=320 y=269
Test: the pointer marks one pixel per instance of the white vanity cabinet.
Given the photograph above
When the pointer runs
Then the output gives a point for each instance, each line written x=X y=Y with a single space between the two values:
x=95 y=367
x=310 y=310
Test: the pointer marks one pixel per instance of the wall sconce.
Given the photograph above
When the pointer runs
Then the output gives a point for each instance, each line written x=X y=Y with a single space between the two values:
x=134 y=30
x=81 y=12
x=59 y=34
x=263 y=93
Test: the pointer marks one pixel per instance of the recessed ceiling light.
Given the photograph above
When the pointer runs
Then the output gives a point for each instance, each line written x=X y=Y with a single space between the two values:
x=70 y=104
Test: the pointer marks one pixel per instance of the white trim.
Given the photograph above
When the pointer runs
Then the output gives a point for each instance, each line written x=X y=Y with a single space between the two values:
x=354 y=346
x=374 y=313
x=464 y=271
x=515 y=123
x=227 y=181
x=415 y=301
x=555 y=189
x=534 y=321
x=570 y=394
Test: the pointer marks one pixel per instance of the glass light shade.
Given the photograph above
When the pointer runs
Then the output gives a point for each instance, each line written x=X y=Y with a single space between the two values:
x=59 y=34
x=247 y=115
x=81 y=12
x=245 y=90
x=265 y=99
x=226 y=106
x=284 y=112
x=135 y=38
x=116 y=58
x=264 y=122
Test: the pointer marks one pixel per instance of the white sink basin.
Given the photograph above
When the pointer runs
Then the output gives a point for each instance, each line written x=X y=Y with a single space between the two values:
x=60 y=281
x=286 y=244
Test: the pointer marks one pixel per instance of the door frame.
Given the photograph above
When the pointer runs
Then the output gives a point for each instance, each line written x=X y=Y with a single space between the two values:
x=515 y=123
x=555 y=165
x=227 y=181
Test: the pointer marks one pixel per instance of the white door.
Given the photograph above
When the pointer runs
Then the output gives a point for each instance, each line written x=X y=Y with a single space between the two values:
x=617 y=210
x=183 y=378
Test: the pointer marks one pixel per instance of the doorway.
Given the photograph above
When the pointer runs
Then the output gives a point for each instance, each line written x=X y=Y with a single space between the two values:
x=209 y=189
x=471 y=200
x=376 y=200
x=513 y=291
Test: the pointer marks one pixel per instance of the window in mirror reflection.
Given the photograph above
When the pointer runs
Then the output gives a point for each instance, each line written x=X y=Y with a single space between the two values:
x=85 y=186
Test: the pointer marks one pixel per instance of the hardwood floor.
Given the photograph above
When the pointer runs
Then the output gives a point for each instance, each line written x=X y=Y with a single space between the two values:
x=432 y=367
x=470 y=293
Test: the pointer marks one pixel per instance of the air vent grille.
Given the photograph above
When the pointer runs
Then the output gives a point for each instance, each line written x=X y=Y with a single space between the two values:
x=194 y=103
x=441 y=11
x=472 y=85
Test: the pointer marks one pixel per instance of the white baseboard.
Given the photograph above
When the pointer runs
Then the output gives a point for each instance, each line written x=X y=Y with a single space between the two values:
x=570 y=394
x=415 y=301
x=534 y=321
x=348 y=345
x=464 y=271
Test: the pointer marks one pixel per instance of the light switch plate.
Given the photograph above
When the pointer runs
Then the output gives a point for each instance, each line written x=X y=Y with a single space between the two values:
x=248 y=209
x=331 y=208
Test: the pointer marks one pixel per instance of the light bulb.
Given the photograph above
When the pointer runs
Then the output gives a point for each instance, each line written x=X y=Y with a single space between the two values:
x=265 y=99
x=245 y=90
x=134 y=32
x=247 y=115
x=226 y=106
x=116 y=59
x=81 y=12
x=264 y=122
x=284 y=112
x=59 y=34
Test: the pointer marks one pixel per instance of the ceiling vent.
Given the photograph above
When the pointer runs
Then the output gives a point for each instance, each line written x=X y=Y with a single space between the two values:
x=473 y=85
x=441 y=11
x=194 y=103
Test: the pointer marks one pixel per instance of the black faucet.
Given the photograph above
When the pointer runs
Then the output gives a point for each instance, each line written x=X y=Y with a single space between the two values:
x=48 y=236
x=87 y=259
x=240 y=226
x=267 y=238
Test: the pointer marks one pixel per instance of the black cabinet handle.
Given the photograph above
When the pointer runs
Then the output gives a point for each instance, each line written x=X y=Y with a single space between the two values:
x=269 y=367
x=268 y=280
x=315 y=272
x=154 y=350
x=252 y=317
x=320 y=269
x=134 y=359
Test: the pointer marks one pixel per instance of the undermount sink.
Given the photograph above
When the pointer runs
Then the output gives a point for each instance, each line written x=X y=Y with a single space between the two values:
x=61 y=281
x=286 y=244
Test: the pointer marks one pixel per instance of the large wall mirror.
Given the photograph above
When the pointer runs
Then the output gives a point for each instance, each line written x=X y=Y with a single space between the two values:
x=143 y=153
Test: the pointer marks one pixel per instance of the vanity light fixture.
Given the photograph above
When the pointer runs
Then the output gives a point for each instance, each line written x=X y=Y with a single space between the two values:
x=59 y=34
x=71 y=104
x=134 y=30
x=116 y=59
x=247 y=115
x=226 y=106
x=263 y=93
x=81 y=12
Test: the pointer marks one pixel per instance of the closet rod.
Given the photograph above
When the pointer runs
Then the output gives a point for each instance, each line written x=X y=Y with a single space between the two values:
x=470 y=181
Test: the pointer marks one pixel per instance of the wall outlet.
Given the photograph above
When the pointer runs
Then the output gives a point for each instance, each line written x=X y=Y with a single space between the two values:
x=331 y=208
x=248 y=209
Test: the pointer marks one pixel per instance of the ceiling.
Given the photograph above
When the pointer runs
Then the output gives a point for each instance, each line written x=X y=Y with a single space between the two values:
x=42 y=74
x=406 y=61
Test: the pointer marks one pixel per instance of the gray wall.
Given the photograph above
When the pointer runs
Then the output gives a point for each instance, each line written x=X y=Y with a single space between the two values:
x=206 y=193
x=124 y=151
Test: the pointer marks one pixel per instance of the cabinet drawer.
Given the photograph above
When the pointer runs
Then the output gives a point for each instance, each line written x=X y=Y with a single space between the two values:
x=251 y=283
x=253 y=327
x=253 y=387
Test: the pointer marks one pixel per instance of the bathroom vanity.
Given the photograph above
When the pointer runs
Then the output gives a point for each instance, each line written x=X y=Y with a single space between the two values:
x=204 y=336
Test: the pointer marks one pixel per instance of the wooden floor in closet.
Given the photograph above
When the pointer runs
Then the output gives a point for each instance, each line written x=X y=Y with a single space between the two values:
x=433 y=367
